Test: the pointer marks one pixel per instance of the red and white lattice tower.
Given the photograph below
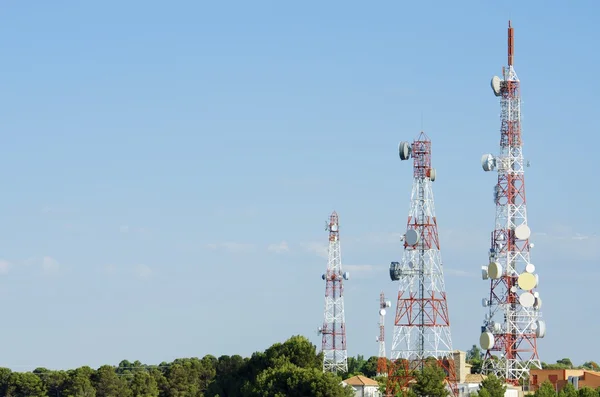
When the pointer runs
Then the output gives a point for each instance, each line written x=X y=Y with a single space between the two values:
x=422 y=325
x=335 y=355
x=382 y=359
x=513 y=322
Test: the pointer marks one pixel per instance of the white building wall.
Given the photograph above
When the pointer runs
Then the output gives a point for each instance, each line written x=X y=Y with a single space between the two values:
x=366 y=391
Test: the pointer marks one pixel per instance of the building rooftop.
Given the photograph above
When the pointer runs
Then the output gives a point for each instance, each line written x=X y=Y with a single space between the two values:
x=474 y=378
x=360 y=380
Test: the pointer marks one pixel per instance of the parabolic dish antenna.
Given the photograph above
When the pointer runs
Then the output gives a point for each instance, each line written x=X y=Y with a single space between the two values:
x=522 y=232
x=404 y=150
x=432 y=174
x=530 y=268
x=495 y=270
x=513 y=289
x=334 y=228
x=540 y=332
x=526 y=281
x=527 y=299
x=488 y=162
x=486 y=340
x=484 y=272
x=538 y=303
x=412 y=237
x=496 y=85
x=382 y=312
x=537 y=280
x=536 y=294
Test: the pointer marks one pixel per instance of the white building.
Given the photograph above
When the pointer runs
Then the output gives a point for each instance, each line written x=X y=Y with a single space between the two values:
x=363 y=386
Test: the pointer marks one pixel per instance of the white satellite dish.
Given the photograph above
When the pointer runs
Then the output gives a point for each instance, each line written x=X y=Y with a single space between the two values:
x=496 y=84
x=334 y=227
x=541 y=329
x=526 y=281
x=526 y=299
x=412 y=237
x=404 y=150
x=382 y=312
x=388 y=304
x=538 y=303
x=495 y=270
x=486 y=340
x=484 y=272
x=432 y=174
x=530 y=268
x=488 y=162
x=522 y=232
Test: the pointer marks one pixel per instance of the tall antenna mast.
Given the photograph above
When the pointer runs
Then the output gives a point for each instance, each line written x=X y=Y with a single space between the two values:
x=335 y=355
x=513 y=321
x=382 y=360
x=422 y=324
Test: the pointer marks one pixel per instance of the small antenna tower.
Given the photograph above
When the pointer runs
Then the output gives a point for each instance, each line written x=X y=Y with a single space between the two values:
x=382 y=360
x=335 y=355
x=422 y=324
x=513 y=321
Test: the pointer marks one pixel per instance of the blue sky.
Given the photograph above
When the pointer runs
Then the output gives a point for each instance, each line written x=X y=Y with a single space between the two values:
x=168 y=167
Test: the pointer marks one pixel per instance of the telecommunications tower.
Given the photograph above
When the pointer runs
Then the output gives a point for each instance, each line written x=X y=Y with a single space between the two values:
x=422 y=325
x=513 y=320
x=335 y=355
x=382 y=359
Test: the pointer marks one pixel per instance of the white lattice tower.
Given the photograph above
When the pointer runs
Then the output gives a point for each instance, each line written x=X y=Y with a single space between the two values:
x=513 y=321
x=382 y=358
x=335 y=355
x=422 y=324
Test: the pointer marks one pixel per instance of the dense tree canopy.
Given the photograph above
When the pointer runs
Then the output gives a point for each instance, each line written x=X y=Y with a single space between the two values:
x=292 y=368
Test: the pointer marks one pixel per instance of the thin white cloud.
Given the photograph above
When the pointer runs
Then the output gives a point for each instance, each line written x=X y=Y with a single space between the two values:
x=50 y=265
x=360 y=270
x=231 y=246
x=4 y=266
x=143 y=271
x=459 y=273
x=279 y=248
x=319 y=249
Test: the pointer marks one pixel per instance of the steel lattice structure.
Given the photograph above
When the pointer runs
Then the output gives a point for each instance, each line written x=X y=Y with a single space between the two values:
x=335 y=355
x=382 y=359
x=513 y=322
x=422 y=324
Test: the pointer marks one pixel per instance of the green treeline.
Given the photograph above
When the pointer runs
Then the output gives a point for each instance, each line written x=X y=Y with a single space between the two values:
x=292 y=368
x=289 y=369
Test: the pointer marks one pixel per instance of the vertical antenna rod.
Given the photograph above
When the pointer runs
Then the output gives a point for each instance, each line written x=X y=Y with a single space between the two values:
x=382 y=359
x=335 y=355
x=513 y=321
x=422 y=324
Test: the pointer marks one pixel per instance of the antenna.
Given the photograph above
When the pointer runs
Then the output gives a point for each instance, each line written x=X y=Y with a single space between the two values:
x=422 y=323
x=335 y=355
x=513 y=321
x=382 y=359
